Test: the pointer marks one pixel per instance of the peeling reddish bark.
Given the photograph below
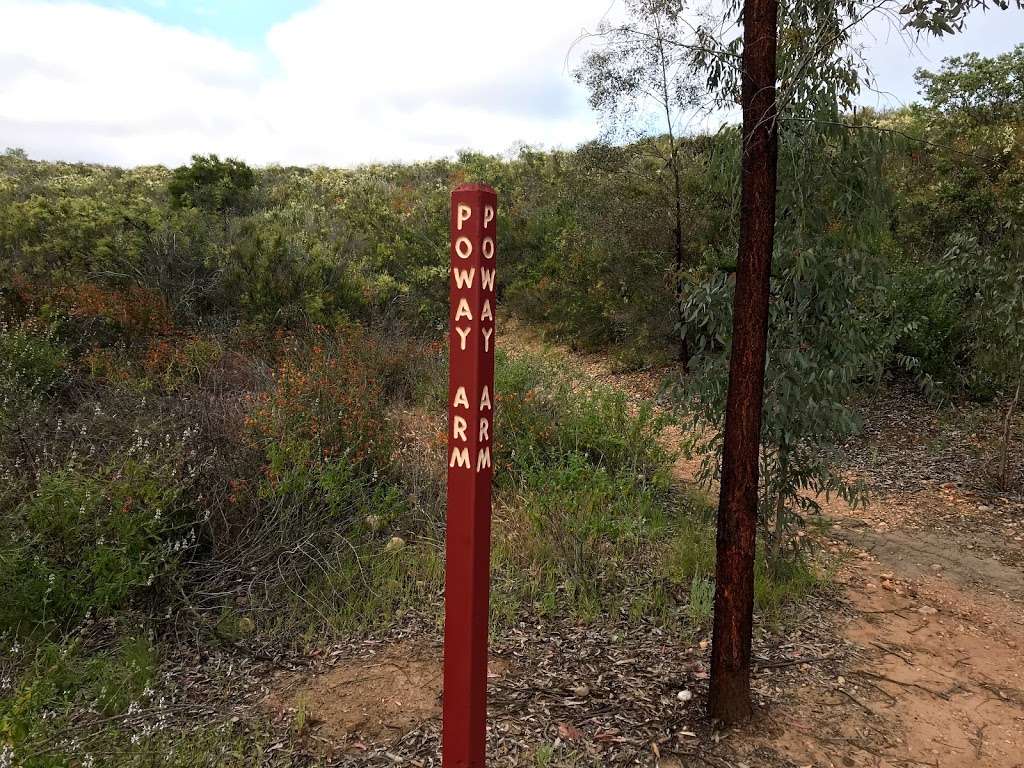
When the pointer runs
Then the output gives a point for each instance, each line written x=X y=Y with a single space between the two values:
x=729 y=698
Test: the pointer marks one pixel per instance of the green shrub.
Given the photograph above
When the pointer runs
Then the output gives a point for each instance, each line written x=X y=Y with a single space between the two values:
x=570 y=536
x=54 y=674
x=32 y=364
x=686 y=560
x=96 y=697
x=273 y=274
x=701 y=604
x=374 y=584
x=583 y=493
x=102 y=701
x=689 y=554
x=343 y=543
x=930 y=307
x=30 y=357
x=212 y=184
x=91 y=541
x=782 y=582
x=545 y=415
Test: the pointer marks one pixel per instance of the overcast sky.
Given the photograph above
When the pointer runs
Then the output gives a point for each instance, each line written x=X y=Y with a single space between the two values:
x=333 y=82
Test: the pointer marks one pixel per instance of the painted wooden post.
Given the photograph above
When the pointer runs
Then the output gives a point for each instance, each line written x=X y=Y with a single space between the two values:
x=470 y=426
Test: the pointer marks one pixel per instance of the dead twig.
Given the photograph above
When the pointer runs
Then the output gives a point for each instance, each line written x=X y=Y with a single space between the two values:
x=938 y=694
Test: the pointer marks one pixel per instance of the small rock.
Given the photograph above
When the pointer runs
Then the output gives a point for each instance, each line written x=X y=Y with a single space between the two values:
x=396 y=543
x=581 y=691
x=684 y=695
x=841 y=680
x=936 y=566
x=927 y=610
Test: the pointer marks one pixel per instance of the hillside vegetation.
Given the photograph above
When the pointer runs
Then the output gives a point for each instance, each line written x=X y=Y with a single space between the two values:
x=221 y=423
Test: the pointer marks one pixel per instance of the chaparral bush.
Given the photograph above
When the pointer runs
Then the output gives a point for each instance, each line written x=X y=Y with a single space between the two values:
x=90 y=542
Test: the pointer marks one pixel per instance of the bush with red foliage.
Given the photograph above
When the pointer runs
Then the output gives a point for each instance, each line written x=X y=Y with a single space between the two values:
x=135 y=311
x=327 y=396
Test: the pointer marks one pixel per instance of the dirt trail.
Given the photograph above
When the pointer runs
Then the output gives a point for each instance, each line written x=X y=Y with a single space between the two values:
x=933 y=613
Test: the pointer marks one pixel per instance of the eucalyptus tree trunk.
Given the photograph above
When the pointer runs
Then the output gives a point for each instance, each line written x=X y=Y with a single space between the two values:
x=677 y=191
x=729 y=698
x=680 y=261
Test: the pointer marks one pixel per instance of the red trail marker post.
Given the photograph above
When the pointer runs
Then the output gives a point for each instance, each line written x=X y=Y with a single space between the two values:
x=470 y=426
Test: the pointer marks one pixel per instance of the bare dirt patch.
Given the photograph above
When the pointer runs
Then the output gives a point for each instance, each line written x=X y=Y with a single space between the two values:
x=939 y=658
x=367 y=700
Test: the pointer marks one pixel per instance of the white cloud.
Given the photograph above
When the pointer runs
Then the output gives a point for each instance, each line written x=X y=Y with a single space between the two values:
x=79 y=81
x=350 y=82
x=341 y=83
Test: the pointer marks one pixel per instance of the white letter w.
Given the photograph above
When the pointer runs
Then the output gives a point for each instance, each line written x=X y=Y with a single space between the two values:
x=464 y=279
